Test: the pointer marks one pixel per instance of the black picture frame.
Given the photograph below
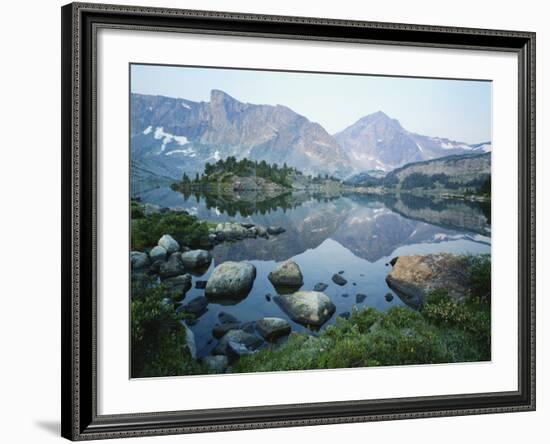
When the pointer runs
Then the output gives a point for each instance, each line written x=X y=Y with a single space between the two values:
x=80 y=22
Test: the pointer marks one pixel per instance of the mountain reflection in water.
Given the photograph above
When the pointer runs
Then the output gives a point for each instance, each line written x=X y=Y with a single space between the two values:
x=356 y=233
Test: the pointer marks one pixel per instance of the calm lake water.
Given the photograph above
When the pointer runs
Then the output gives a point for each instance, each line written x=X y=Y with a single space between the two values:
x=357 y=234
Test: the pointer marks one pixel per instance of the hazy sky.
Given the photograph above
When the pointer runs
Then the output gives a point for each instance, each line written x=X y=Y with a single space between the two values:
x=457 y=109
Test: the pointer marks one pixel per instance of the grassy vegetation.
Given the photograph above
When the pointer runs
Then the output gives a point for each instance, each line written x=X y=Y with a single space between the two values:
x=147 y=230
x=443 y=331
x=159 y=345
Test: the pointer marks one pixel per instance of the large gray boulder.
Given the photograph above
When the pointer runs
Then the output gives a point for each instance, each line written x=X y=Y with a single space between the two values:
x=310 y=308
x=196 y=259
x=139 y=260
x=413 y=277
x=272 y=329
x=286 y=274
x=172 y=267
x=169 y=244
x=231 y=280
x=158 y=253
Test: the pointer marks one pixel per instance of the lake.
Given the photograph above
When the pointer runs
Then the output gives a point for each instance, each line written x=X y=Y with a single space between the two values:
x=355 y=234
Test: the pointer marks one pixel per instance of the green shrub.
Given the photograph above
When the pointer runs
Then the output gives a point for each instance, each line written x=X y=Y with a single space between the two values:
x=399 y=336
x=186 y=229
x=158 y=337
x=479 y=276
x=136 y=210
x=472 y=318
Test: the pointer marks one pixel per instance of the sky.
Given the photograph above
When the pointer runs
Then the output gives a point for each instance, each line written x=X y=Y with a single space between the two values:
x=455 y=109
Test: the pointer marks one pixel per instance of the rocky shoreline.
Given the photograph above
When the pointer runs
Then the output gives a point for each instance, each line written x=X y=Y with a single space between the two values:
x=172 y=265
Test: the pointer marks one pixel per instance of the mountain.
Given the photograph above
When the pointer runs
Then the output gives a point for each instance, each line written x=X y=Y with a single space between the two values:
x=457 y=172
x=450 y=173
x=378 y=141
x=171 y=136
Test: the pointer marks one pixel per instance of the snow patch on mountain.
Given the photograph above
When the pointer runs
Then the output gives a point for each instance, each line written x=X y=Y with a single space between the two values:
x=168 y=138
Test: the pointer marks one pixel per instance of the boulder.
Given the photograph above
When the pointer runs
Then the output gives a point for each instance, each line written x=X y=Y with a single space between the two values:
x=226 y=318
x=196 y=259
x=231 y=231
x=231 y=280
x=388 y=297
x=261 y=231
x=201 y=285
x=286 y=274
x=310 y=308
x=216 y=364
x=251 y=232
x=181 y=282
x=169 y=244
x=416 y=276
x=320 y=286
x=158 y=253
x=172 y=267
x=339 y=280
x=196 y=306
x=139 y=260
x=360 y=297
x=272 y=328
x=247 y=225
x=246 y=341
x=275 y=230
x=221 y=329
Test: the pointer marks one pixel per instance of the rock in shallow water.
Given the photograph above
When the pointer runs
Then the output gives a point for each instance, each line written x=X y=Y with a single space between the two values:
x=389 y=297
x=231 y=231
x=221 y=329
x=360 y=297
x=226 y=318
x=196 y=259
x=310 y=308
x=201 y=285
x=231 y=280
x=275 y=230
x=320 y=286
x=339 y=280
x=196 y=306
x=272 y=328
x=246 y=340
x=286 y=274
x=181 y=282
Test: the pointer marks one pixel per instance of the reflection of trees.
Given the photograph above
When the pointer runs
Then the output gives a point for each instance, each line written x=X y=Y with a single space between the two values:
x=249 y=203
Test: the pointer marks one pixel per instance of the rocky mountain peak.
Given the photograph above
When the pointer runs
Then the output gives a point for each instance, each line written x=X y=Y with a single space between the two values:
x=379 y=119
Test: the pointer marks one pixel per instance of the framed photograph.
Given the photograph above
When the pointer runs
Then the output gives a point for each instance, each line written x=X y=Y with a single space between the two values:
x=281 y=221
